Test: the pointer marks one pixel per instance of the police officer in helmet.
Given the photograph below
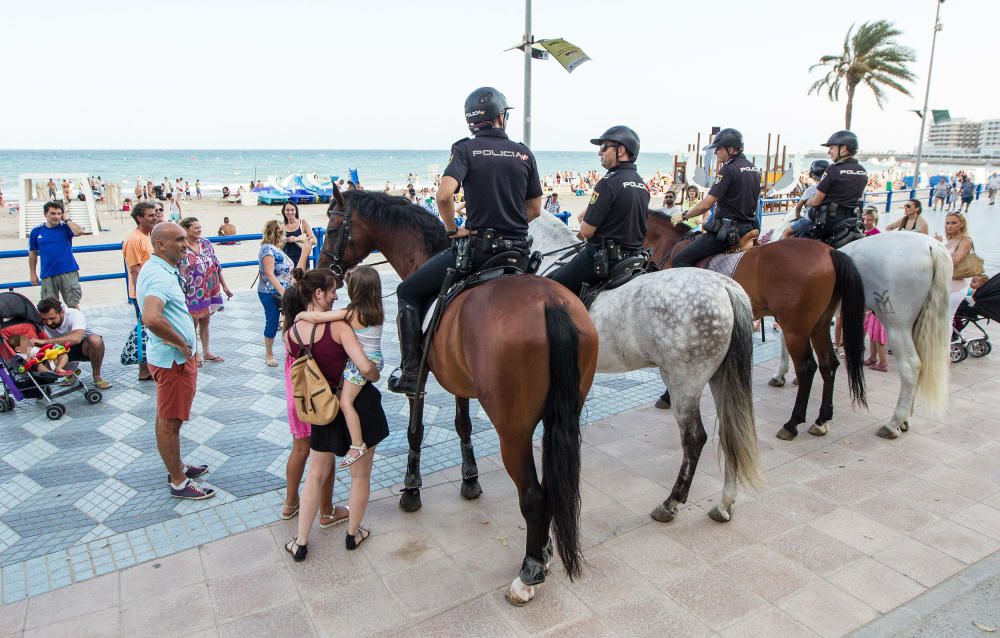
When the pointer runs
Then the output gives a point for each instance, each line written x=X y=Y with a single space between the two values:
x=502 y=194
x=614 y=224
x=802 y=223
x=838 y=194
x=735 y=194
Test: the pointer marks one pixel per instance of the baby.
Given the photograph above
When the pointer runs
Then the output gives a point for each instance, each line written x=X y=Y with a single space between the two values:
x=22 y=346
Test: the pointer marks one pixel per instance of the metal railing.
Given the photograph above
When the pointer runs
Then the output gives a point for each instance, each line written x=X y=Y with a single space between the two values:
x=97 y=248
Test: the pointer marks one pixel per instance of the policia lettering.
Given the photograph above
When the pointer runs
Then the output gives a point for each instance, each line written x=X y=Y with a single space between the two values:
x=734 y=194
x=614 y=224
x=502 y=194
x=836 y=206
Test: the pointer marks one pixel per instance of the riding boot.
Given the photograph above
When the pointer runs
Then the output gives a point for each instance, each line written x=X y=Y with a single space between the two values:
x=406 y=381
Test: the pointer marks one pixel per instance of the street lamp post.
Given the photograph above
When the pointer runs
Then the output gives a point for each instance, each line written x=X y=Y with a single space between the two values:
x=528 y=44
x=927 y=94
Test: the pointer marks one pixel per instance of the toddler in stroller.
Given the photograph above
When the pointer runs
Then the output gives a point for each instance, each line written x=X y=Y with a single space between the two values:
x=984 y=305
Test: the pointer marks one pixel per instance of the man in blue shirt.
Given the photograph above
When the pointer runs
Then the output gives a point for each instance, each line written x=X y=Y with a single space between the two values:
x=170 y=354
x=53 y=241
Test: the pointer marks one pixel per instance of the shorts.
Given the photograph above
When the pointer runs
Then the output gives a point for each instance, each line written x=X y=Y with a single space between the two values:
x=175 y=389
x=966 y=200
x=334 y=437
x=67 y=285
x=353 y=375
x=76 y=353
x=800 y=226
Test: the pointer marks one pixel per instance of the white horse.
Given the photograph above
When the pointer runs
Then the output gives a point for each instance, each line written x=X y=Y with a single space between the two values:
x=696 y=327
x=906 y=278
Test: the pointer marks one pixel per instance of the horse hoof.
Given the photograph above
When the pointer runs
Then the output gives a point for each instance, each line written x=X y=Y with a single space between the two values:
x=785 y=434
x=817 y=429
x=663 y=514
x=888 y=433
x=519 y=594
x=776 y=382
x=662 y=405
x=795 y=381
x=410 y=501
x=721 y=515
x=905 y=427
x=471 y=491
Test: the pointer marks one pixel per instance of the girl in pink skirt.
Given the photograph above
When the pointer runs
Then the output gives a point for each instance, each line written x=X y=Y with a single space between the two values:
x=873 y=327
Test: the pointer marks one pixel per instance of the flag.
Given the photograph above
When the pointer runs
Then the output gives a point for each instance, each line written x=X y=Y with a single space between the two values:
x=568 y=55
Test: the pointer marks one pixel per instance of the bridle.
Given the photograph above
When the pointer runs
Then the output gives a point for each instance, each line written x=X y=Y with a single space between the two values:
x=342 y=238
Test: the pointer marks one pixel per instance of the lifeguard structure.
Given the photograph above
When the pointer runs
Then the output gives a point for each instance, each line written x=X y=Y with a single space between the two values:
x=34 y=193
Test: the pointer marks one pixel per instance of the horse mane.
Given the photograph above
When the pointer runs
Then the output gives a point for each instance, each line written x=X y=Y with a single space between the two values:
x=652 y=212
x=397 y=213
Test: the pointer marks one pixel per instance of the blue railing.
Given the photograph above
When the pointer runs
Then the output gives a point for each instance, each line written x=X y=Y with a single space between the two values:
x=97 y=248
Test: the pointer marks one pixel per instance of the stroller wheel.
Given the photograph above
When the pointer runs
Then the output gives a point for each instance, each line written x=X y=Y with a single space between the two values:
x=10 y=403
x=93 y=396
x=55 y=411
x=3 y=405
x=958 y=352
x=979 y=347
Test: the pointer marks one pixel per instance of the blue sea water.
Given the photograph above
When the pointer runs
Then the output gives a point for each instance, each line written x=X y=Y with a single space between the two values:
x=233 y=167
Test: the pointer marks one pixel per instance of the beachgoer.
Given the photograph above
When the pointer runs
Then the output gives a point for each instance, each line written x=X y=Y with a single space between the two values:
x=67 y=327
x=173 y=208
x=23 y=346
x=197 y=188
x=877 y=338
x=503 y=192
x=67 y=189
x=552 y=204
x=993 y=185
x=274 y=276
x=912 y=219
x=615 y=219
x=331 y=344
x=171 y=355
x=204 y=284
x=297 y=232
x=959 y=244
x=940 y=194
x=736 y=190
x=968 y=190
x=51 y=184
x=137 y=249
x=52 y=241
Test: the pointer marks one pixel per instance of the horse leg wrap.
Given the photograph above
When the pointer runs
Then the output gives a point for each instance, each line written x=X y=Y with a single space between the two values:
x=547 y=552
x=532 y=571
x=412 y=480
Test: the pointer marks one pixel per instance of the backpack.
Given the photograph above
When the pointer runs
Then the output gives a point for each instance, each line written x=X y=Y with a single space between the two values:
x=315 y=402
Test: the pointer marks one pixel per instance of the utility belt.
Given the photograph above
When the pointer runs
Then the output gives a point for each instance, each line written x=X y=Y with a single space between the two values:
x=609 y=253
x=728 y=231
x=828 y=214
x=486 y=242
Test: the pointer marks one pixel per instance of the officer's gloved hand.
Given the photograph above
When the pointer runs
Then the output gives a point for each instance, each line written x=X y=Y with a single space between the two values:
x=677 y=218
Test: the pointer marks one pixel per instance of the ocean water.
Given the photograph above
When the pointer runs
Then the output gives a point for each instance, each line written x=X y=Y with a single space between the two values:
x=234 y=167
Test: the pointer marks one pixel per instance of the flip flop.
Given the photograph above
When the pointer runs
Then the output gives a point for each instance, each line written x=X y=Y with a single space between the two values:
x=101 y=384
x=215 y=358
x=287 y=516
x=271 y=363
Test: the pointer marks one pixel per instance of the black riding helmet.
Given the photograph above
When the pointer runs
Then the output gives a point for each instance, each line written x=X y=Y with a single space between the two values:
x=817 y=168
x=726 y=138
x=844 y=138
x=484 y=105
x=622 y=135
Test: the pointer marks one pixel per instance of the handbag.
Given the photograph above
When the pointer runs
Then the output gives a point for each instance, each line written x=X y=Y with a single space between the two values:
x=970 y=266
x=315 y=402
x=135 y=347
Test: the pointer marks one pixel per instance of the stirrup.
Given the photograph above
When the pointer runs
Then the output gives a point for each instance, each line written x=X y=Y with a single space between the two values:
x=351 y=460
x=403 y=382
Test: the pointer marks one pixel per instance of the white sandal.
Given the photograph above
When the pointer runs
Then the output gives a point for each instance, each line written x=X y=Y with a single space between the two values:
x=351 y=460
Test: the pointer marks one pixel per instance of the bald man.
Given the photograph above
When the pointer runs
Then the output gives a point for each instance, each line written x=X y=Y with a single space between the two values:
x=170 y=355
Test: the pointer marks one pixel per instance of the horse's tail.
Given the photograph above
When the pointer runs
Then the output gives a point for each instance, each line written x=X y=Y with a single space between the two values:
x=852 y=304
x=733 y=394
x=930 y=334
x=561 y=440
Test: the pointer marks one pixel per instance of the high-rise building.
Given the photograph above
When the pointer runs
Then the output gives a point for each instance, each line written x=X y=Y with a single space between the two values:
x=989 y=138
x=962 y=138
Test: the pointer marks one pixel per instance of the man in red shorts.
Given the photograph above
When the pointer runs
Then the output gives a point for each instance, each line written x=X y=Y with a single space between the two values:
x=160 y=294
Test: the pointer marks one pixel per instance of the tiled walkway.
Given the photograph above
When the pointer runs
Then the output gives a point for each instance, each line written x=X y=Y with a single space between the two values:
x=85 y=495
x=849 y=527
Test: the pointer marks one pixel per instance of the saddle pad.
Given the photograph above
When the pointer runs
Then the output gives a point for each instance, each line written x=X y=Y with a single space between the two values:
x=725 y=263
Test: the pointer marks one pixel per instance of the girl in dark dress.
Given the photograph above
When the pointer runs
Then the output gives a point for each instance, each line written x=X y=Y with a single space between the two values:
x=332 y=343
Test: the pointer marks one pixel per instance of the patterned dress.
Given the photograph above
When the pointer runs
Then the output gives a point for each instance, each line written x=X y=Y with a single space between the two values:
x=201 y=280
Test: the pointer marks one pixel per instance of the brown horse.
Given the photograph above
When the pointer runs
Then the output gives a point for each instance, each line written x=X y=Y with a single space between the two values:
x=524 y=346
x=799 y=282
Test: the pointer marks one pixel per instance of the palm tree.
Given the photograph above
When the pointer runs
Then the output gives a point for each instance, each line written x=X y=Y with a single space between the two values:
x=871 y=56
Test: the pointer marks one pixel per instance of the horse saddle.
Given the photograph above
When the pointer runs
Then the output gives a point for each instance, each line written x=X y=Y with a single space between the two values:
x=620 y=274
x=747 y=241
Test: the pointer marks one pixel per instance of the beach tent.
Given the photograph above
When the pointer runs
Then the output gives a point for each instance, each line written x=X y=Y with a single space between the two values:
x=34 y=194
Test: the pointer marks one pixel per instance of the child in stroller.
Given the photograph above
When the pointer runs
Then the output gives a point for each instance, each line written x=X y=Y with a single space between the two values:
x=984 y=304
x=48 y=359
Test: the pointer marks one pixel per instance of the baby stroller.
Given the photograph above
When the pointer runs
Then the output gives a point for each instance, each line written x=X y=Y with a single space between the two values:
x=986 y=307
x=19 y=316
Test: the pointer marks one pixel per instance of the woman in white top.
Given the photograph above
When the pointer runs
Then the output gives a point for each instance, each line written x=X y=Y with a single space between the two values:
x=958 y=243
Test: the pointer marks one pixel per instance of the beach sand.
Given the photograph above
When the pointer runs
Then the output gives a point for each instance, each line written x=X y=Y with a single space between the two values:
x=117 y=225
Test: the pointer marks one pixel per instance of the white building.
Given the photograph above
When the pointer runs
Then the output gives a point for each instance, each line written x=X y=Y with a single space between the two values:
x=961 y=138
x=989 y=138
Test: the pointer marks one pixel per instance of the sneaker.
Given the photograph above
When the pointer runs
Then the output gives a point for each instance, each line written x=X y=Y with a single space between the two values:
x=193 y=471
x=192 y=492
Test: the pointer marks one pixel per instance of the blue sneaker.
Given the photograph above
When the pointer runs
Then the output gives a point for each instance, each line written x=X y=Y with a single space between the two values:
x=192 y=492
x=193 y=471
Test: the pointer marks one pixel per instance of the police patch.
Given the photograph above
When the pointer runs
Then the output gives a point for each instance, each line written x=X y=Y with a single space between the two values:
x=718 y=178
x=593 y=198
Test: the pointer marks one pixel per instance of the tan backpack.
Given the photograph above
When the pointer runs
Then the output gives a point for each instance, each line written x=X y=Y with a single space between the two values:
x=315 y=401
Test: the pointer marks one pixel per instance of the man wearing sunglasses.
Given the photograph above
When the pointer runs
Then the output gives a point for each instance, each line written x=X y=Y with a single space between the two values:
x=614 y=224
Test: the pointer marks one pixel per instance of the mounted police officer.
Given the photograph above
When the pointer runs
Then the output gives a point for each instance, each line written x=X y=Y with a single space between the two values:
x=502 y=194
x=735 y=194
x=837 y=202
x=614 y=224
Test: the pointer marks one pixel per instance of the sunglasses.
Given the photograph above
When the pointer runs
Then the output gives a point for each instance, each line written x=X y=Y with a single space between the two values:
x=607 y=145
x=159 y=210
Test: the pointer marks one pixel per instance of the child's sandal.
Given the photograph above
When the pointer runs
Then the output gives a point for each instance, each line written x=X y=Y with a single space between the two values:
x=351 y=460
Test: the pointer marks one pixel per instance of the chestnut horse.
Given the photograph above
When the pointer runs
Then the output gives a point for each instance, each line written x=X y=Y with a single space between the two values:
x=799 y=282
x=524 y=346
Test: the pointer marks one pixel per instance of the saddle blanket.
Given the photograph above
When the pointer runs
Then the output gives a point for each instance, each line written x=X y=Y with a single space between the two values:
x=725 y=263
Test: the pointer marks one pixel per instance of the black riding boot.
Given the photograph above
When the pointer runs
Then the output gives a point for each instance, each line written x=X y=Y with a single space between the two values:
x=408 y=322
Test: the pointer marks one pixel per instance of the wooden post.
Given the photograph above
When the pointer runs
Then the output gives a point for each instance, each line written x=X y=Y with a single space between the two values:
x=697 y=150
x=767 y=164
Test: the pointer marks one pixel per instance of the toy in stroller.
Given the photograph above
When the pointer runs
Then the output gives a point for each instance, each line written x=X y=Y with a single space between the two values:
x=985 y=306
x=18 y=316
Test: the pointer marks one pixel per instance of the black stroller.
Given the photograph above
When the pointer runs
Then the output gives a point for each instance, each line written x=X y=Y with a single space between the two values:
x=986 y=307
x=18 y=315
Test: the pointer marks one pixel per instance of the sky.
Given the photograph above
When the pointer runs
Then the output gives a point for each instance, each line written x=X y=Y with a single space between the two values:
x=393 y=74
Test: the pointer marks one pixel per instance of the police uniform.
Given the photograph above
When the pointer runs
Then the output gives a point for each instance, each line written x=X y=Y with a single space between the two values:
x=737 y=189
x=843 y=184
x=498 y=176
x=617 y=209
